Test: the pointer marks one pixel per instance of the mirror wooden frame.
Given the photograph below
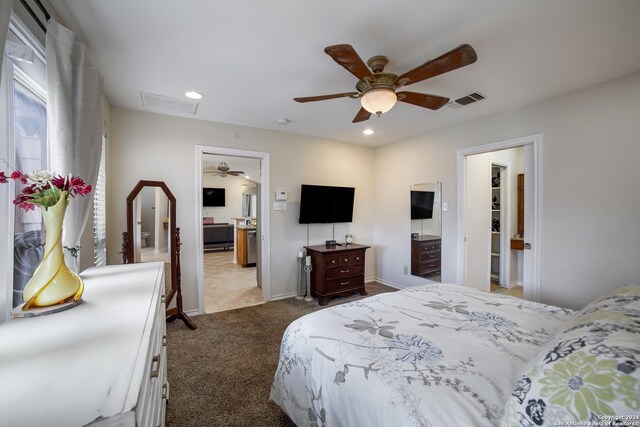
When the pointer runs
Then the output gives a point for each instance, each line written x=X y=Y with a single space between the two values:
x=128 y=249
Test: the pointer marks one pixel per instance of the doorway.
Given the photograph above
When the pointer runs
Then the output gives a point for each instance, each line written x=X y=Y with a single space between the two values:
x=491 y=254
x=233 y=249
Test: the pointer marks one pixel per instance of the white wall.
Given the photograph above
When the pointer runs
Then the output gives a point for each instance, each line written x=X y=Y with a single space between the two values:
x=234 y=187
x=156 y=147
x=590 y=233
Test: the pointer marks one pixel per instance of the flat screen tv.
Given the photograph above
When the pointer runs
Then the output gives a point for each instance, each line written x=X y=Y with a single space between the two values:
x=321 y=204
x=213 y=197
x=422 y=204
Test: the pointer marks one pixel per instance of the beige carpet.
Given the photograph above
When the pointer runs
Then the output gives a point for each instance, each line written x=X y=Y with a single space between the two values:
x=221 y=373
x=228 y=285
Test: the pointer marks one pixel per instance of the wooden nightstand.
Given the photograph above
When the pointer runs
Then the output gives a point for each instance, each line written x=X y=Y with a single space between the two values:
x=337 y=271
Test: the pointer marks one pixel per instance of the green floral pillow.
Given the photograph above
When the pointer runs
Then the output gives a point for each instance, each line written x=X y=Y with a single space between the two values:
x=590 y=371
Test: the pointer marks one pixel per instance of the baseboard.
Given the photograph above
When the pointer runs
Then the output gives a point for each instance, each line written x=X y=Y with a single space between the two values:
x=386 y=283
x=283 y=296
x=513 y=284
x=193 y=313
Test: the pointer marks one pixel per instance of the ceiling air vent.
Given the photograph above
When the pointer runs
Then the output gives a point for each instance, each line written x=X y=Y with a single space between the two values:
x=167 y=104
x=466 y=100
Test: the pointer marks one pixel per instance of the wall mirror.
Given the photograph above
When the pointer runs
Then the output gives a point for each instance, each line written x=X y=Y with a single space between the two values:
x=152 y=235
x=426 y=230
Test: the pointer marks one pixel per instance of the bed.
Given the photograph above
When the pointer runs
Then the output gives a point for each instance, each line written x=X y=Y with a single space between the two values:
x=434 y=355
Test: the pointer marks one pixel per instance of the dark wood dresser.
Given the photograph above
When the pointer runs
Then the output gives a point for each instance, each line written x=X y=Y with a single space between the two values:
x=336 y=271
x=425 y=255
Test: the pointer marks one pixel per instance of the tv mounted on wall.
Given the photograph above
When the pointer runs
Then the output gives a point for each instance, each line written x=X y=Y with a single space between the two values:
x=422 y=204
x=321 y=204
x=213 y=197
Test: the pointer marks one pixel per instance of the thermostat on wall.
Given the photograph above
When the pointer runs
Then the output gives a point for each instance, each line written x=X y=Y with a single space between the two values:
x=281 y=195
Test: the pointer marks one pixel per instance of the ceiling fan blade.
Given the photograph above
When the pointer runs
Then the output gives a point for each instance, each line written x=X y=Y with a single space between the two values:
x=432 y=102
x=361 y=116
x=346 y=56
x=454 y=59
x=323 y=97
x=235 y=173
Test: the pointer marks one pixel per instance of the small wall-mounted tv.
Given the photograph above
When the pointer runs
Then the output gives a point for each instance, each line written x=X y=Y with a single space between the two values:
x=213 y=197
x=321 y=204
x=422 y=204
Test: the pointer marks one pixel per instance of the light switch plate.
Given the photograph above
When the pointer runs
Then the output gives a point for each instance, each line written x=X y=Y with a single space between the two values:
x=281 y=195
x=445 y=206
x=280 y=206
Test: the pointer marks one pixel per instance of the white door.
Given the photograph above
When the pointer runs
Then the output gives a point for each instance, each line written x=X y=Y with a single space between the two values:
x=477 y=222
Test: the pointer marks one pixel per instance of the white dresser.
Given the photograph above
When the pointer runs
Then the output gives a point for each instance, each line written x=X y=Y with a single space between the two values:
x=102 y=363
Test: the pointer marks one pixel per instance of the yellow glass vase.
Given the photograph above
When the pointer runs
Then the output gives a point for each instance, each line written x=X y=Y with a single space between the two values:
x=53 y=282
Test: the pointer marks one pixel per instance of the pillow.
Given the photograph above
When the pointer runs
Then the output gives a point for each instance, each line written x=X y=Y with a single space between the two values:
x=589 y=371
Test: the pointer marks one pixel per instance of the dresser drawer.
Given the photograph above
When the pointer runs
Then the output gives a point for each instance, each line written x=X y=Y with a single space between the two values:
x=431 y=245
x=428 y=266
x=147 y=412
x=337 y=285
x=344 y=271
x=429 y=256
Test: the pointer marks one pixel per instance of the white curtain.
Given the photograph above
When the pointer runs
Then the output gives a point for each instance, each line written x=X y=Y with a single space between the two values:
x=5 y=15
x=74 y=124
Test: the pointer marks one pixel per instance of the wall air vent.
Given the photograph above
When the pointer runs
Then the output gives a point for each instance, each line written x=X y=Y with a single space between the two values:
x=166 y=104
x=466 y=100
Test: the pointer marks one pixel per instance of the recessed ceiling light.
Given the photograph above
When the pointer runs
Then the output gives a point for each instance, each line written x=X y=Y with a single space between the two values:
x=283 y=122
x=193 y=95
x=368 y=131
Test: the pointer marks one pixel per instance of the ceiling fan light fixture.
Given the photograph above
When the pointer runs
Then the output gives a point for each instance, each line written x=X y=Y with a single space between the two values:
x=378 y=101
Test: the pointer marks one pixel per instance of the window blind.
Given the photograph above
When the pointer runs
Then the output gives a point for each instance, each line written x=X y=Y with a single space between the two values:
x=100 y=213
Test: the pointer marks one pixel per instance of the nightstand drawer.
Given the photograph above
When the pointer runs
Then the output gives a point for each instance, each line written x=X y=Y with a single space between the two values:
x=344 y=271
x=332 y=260
x=344 y=283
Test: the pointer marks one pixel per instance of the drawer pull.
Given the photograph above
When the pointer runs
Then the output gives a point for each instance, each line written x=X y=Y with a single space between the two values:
x=344 y=283
x=333 y=261
x=164 y=391
x=345 y=260
x=155 y=372
x=357 y=258
x=344 y=271
x=164 y=341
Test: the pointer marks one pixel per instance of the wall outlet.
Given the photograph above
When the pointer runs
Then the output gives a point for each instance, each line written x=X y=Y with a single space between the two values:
x=406 y=269
x=445 y=207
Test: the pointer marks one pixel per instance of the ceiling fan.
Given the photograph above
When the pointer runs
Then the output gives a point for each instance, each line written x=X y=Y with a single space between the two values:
x=223 y=170
x=377 y=89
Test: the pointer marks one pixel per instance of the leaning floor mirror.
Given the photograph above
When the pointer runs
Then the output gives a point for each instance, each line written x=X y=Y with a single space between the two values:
x=426 y=230
x=152 y=235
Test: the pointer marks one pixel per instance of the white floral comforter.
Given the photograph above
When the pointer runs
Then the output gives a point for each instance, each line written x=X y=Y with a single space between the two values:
x=443 y=355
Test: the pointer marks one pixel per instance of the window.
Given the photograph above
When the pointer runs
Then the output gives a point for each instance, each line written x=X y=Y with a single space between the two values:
x=25 y=133
x=99 y=213
x=30 y=148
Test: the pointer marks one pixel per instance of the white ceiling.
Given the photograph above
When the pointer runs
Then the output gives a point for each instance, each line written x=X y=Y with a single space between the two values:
x=250 y=58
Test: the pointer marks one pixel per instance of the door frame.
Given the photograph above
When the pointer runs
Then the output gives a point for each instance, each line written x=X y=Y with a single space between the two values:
x=532 y=289
x=265 y=222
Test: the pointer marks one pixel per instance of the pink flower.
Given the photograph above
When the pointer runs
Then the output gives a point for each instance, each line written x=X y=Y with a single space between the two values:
x=78 y=185
x=59 y=182
x=17 y=175
x=22 y=202
x=3 y=178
